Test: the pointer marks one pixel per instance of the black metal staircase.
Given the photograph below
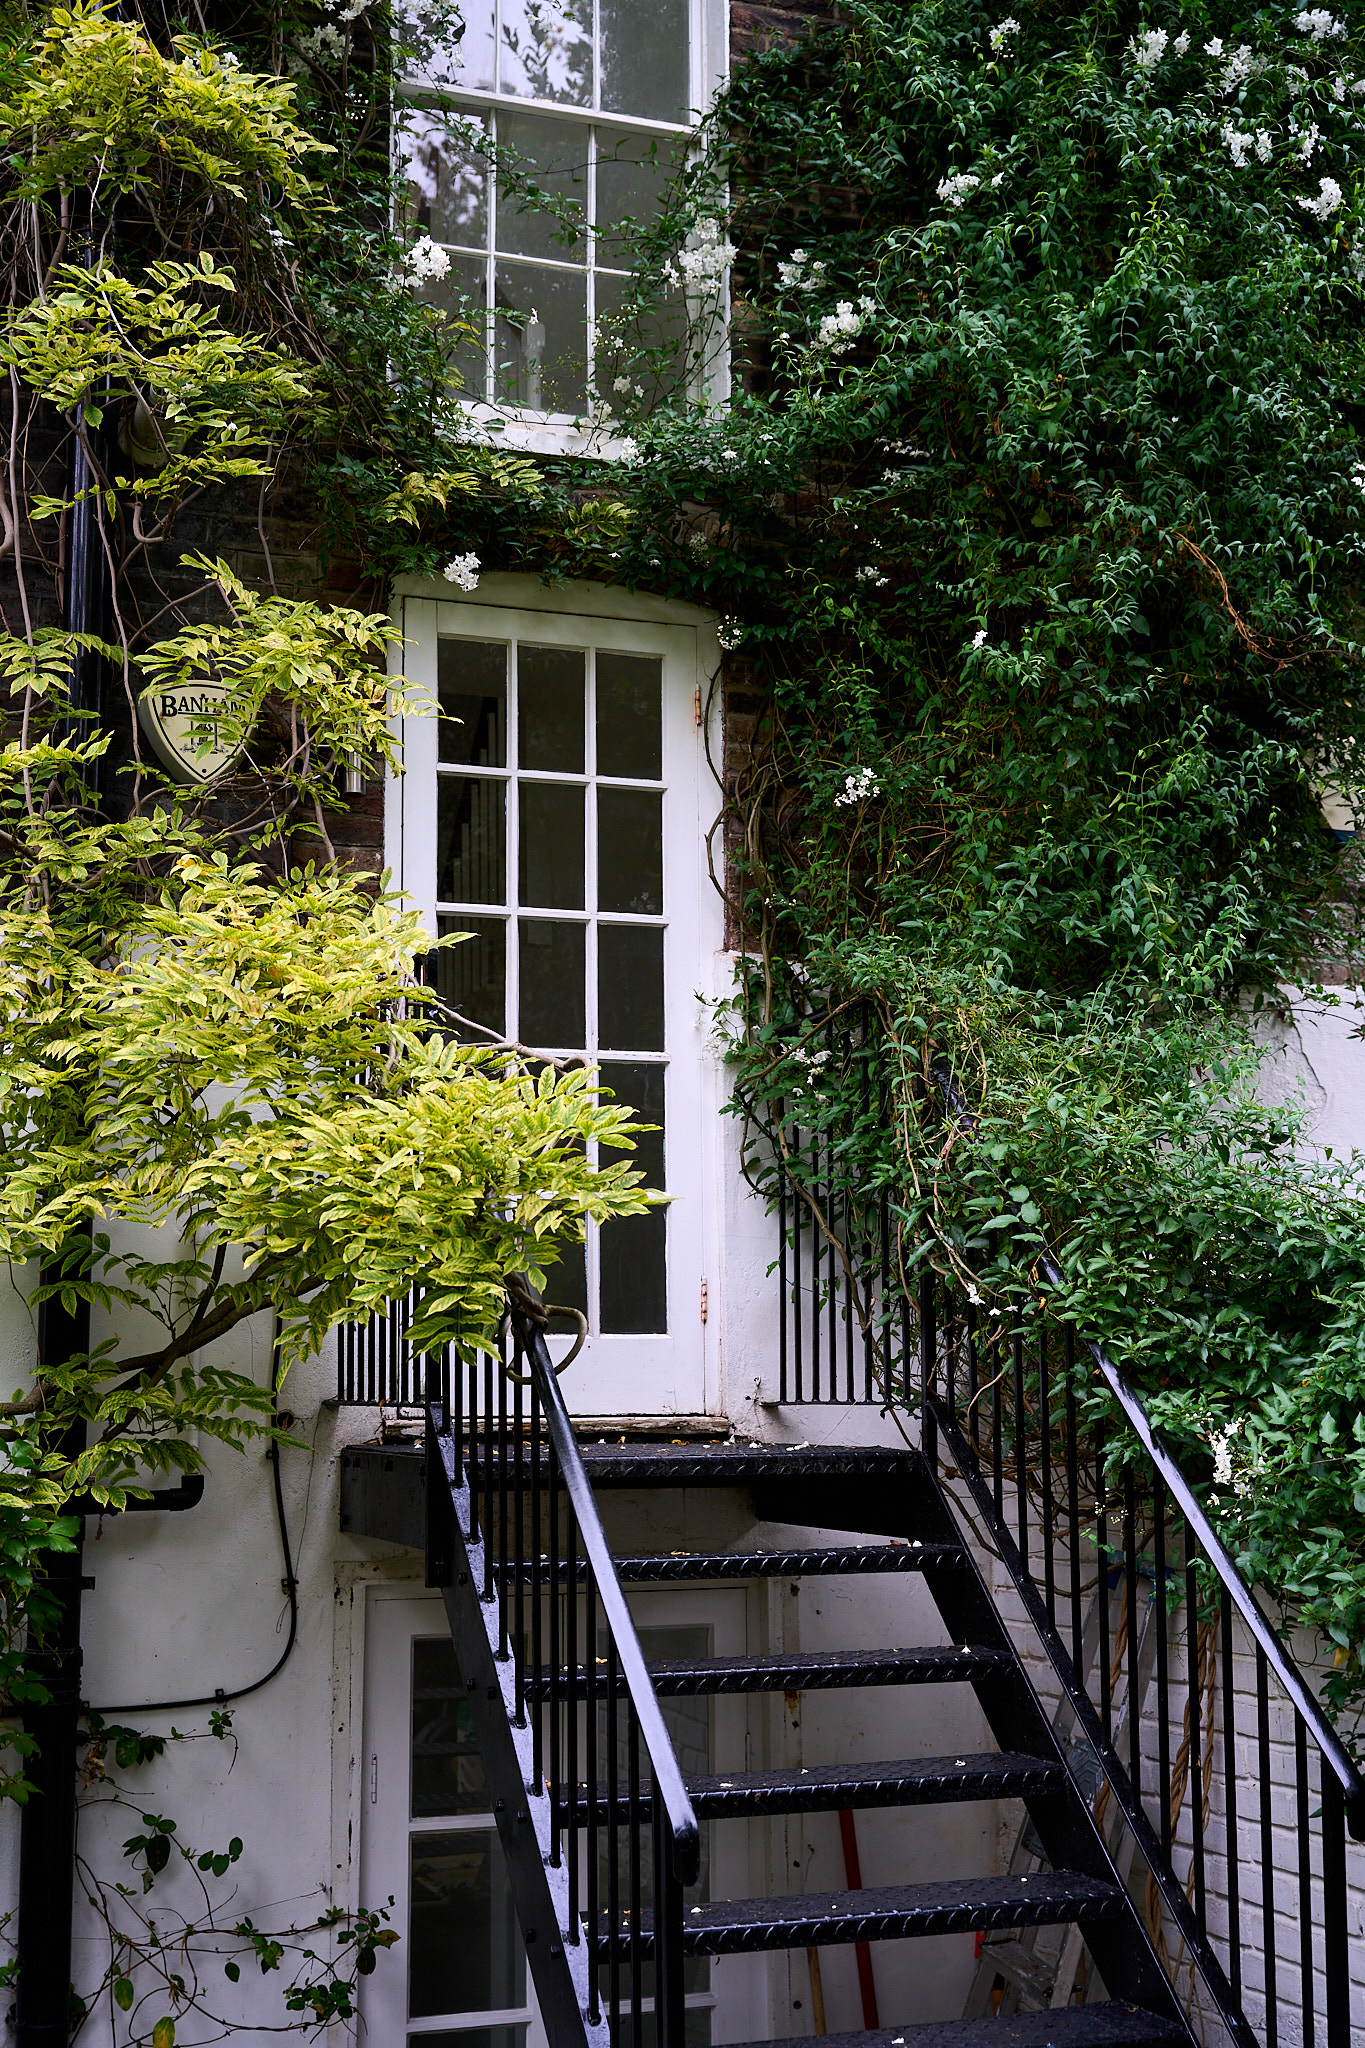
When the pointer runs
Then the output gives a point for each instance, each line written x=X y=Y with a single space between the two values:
x=600 y=1827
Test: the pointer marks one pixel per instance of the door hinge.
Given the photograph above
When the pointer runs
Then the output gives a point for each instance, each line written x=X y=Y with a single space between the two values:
x=374 y=1779
x=696 y=706
x=705 y=1303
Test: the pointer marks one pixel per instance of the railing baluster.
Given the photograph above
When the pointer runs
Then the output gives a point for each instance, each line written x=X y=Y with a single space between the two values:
x=633 y=1794
x=554 y=1732
x=1045 y=1459
x=571 y=1698
x=537 y=1585
x=1160 y=1621
x=519 y=1609
x=1267 y=1852
x=1134 y=1632
x=1233 y=1845
x=1102 y=1585
x=1307 y=1995
x=783 y=1304
x=502 y=1511
x=486 y=1456
x=613 y=1764
x=1336 y=1956
x=593 y=1834
x=1020 y=1443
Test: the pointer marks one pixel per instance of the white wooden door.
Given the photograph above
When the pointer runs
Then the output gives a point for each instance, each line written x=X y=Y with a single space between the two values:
x=552 y=810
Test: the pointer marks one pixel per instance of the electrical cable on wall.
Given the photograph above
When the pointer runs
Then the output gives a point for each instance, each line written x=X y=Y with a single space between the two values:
x=291 y=1587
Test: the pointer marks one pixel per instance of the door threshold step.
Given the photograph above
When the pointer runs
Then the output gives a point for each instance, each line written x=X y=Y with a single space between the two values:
x=818 y=1670
x=845 y=1559
x=826 y=1788
x=1117 y=2025
x=730 y=1927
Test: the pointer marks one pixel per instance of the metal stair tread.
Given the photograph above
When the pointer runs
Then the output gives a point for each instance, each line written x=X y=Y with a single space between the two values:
x=809 y=1671
x=1116 y=2025
x=830 y=1561
x=891 y=1913
x=824 y=1788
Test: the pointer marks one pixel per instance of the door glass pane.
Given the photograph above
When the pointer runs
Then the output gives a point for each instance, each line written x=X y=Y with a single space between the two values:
x=447 y=1770
x=645 y=66
x=634 y=1294
x=545 y=50
x=471 y=684
x=550 y=683
x=629 y=721
x=472 y=977
x=471 y=851
x=566 y=1284
x=447 y=180
x=552 y=845
x=630 y=851
x=465 y=1952
x=630 y=988
x=553 y=966
x=554 y=154
x=541 y=337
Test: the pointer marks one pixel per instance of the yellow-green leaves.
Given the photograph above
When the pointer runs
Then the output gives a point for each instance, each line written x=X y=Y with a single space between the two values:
x=210 y=397
x=97 y=104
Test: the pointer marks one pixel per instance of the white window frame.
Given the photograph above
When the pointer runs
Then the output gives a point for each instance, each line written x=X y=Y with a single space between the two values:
x=674 y=1372
x=395 y=1616
x=565 y=433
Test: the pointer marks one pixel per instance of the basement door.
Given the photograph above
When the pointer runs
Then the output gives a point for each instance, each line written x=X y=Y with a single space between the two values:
x=457 y=1977
x=551 y=812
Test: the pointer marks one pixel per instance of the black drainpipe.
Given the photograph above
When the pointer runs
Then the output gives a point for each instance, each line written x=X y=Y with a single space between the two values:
x=47 y=1829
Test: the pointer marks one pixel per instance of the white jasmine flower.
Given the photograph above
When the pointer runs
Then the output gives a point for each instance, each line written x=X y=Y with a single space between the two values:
x=704 y=261
x=800 y=273
x=1264 y=145
x=1358 y=476
x=1309 y=141
x=838 y=329
x=1327 y=202
x=1181 y=43
x=1319 y=24
x=229 y=60
x=1297 y=79
x=1238 y=68
x=729 y=455
x=627 y=450
x=1238 y=145
x=426 y=259
x=1340 y=88
x=620 y=384
x=729 y=633
x=1214 y=48
x=858 y=788
x=867 y=574
x=1221 y=1445
x=324 y=44
x=1003 y=33
x=866 y=304
x=1148 y=49
x=997 y=180
x=979 y=641
x=957 y=187
x=463 y=572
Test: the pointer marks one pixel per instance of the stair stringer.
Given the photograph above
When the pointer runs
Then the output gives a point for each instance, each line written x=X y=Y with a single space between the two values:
x=540 y=1890
x=913 y=1506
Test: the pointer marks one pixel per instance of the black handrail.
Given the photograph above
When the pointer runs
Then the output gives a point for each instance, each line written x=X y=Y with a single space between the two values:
x=684 y=1833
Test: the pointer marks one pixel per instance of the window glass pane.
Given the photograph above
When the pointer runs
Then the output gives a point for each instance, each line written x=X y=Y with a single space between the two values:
x=471 y=840
x=634 y=1295
x=447 y=1770
x=472 y=977
x=645 y=66
x=511 y=2037
x=630 y=851
x=552 y=846
x=630 y=988
x=447 y=182
x=629 y=716
x=555 y=155
x=464 y=1953
x=552 y=961
x=646 y=351
x=471 y=684
x=545 y=50
x=541 y=337
x=550 y=683
x=632 y=172
x=462 y=296
x=468 y=62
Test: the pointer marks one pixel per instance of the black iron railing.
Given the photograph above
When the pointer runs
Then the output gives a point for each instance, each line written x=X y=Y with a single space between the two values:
x=1215 y=1756
x=622 y=1836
